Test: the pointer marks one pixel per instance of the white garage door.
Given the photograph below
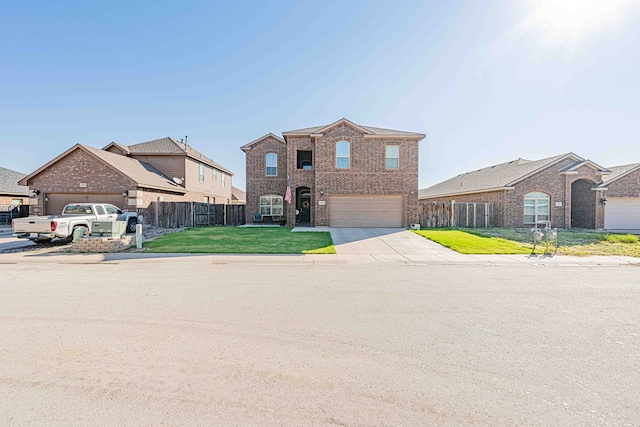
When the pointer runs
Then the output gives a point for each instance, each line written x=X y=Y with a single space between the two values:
x=366 y=211
x=622 y=213
x=57 y=201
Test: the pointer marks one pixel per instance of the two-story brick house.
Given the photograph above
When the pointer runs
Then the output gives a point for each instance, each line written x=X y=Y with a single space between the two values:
x=130 y=177
x=340 y=175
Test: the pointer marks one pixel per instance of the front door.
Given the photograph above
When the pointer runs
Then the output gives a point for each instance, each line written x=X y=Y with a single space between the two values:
x=305 y=209
x=303 y=205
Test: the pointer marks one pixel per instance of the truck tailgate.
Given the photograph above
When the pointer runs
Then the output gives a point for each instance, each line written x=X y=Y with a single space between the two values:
x=33 y=225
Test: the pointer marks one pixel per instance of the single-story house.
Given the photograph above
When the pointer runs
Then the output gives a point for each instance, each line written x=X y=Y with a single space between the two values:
x=566 y=190
x=130 y=177
x=341 y=175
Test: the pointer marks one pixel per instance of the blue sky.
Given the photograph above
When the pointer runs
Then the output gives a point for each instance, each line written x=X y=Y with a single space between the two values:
x=487 y=81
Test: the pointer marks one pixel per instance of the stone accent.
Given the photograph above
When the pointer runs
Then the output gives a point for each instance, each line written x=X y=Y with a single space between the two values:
x=103 y=244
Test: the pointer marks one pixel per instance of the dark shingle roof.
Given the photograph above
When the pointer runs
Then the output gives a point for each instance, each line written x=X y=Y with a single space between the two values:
x=9 y=183
x=169 y=145
x=490 y=178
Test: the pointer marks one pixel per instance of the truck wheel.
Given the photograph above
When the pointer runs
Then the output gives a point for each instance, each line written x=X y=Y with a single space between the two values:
x=131 y=225
x=85 y=232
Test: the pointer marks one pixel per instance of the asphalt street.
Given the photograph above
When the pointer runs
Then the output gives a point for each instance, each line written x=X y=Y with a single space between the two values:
x=196 y=341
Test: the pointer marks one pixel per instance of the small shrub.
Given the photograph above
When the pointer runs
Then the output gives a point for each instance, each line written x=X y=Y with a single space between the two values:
x=622 y=238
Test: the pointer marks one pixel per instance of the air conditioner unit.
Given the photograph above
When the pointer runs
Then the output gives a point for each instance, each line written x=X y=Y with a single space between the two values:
x=415 y=226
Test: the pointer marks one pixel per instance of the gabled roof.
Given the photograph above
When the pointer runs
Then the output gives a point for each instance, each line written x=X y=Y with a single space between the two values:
x=121 y=147
x=238 y=194
x=617 y=172
x=143 y=174
x=368 y=131
x=248 y=146
x=574 y=167
x=169 y=146
x=498 y=177
x=9 y=183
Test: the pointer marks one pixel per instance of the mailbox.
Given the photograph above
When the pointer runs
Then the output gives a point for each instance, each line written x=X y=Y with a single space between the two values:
x=108 y=228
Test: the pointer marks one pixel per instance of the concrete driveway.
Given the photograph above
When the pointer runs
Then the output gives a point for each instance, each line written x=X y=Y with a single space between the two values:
x=388 y=244
x=7 y=241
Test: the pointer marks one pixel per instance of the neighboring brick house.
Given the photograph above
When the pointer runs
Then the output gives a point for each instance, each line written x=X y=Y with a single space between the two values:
x=11 y=193
x=130 y=177
x=621 y=195
x=566 y=190
x=340 y=175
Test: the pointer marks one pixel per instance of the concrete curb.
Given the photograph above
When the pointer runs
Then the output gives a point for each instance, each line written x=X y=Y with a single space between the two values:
x=275 y=260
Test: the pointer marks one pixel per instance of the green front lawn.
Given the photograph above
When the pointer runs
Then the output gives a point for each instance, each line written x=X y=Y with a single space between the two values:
x=467 y=243
x=518 y=241
x=243 y=240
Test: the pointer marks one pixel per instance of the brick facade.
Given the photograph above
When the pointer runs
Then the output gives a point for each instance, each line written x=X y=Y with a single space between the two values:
x=8 y=200
x=258 y=184
x=367 y=174
x=626 y=186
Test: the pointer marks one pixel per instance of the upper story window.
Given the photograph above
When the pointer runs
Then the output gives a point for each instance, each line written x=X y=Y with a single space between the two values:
x=272 y=164
x=223 y=180
x=392 y=157
x=201 y=172
x=304 y=160
x=215 y=175
x=536 y=208
x=343 y=155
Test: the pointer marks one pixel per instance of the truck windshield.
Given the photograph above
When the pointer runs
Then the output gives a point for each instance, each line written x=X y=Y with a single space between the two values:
x=77 y=209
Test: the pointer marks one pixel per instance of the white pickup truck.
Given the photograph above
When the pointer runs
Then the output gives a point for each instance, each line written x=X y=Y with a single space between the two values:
x=42 y=229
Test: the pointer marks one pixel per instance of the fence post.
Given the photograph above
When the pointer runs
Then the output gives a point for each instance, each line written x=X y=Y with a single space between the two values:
x=486 y=215
x=467 y=224
x=475 y=214
x=156 y=216
x=453 y=214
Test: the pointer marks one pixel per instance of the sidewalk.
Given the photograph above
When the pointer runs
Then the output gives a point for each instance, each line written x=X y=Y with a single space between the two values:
x=319 y=260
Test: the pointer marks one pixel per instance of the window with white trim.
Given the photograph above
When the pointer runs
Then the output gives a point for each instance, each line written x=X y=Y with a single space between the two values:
x=392 y=157
x=343 y=155
x=271 y=205
x=536 y=208
x=214 y=175
x=223 y=180
x=201 y=172
x=271 y=161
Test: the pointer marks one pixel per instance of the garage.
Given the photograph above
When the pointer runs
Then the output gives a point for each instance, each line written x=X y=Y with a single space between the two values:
x=56 y=201
x=622 y=213
x=366 y=211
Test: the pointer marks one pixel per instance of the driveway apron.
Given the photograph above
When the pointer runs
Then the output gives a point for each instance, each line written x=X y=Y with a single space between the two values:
x=388 y=245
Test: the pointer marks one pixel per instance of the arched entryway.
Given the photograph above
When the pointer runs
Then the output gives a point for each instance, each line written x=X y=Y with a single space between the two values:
x=303 y=206
x=583 y=204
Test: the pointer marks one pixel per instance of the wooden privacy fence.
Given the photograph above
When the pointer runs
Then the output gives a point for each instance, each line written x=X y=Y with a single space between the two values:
x=452 y=214
x=193 y=214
